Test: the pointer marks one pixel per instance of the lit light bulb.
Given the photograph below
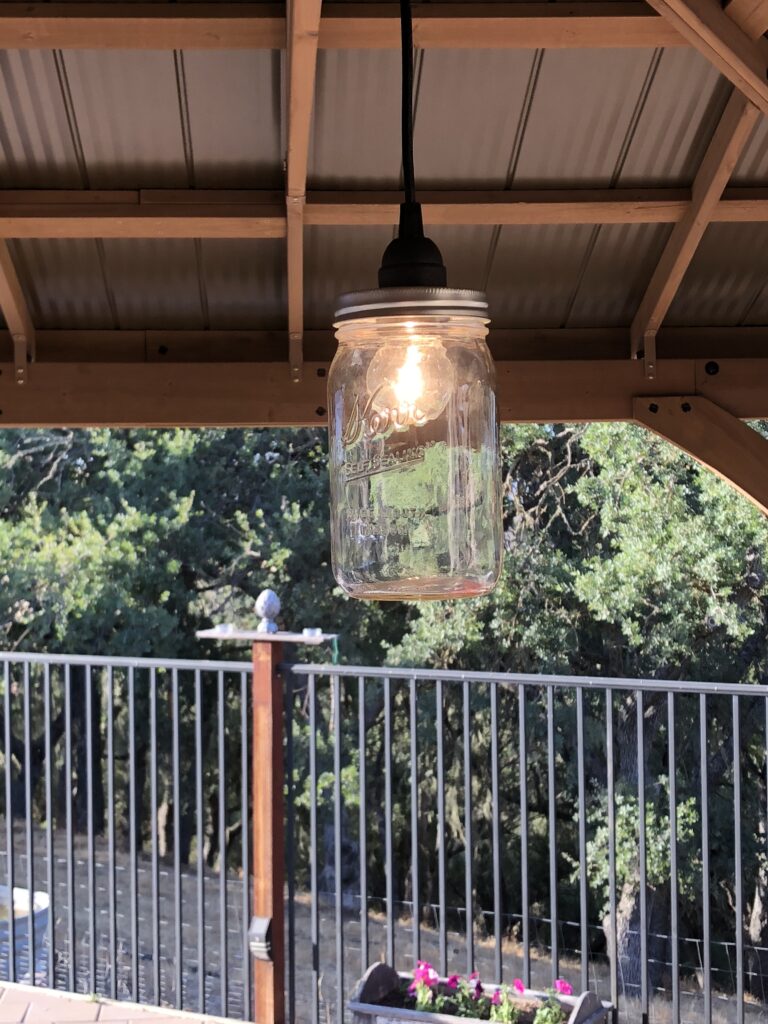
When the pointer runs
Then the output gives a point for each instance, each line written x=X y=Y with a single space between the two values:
x=410 y=383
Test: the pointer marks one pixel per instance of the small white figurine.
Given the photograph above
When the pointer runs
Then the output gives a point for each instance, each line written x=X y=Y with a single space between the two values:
x=268 y=607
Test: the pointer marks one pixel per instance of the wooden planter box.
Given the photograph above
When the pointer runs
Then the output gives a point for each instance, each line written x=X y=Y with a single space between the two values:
x=380 y=980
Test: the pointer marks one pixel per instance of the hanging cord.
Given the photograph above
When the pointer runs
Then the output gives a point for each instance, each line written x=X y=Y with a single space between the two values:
x=406 y=42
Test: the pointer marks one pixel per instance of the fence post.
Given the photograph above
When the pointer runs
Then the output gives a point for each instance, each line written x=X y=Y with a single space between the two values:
x=267 y=858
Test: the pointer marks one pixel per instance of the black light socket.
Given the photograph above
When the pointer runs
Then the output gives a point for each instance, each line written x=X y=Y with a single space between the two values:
x=412 y=260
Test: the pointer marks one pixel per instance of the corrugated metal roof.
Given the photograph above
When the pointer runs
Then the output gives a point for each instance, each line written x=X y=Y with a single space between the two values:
x=620 y=265
x=725 y=279
x=36 y=148
x=752 y=168
x=63 y=282
x=684 y=101
x=337 y=260
x=454 y=140
x=356 y=123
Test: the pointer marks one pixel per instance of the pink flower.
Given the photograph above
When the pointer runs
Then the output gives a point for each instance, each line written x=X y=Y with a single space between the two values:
x=474 y=976
x=478 y=989
x=563 y=987
x=452 y=982
x=424 y=974
x=496 y=997
x=518 y=986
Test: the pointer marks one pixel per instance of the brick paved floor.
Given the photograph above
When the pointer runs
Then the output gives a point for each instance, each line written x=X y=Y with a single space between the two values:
x=21 y=1004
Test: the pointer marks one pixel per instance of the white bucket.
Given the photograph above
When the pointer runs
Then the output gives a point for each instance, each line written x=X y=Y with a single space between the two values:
x=21 y=916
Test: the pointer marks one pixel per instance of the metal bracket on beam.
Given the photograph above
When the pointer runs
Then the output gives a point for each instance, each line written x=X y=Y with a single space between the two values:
x=21 y=357
x=294 y=209
x=649 y=354
x=260 y=938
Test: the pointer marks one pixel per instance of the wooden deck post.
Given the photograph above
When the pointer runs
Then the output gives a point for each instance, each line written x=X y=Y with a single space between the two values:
x=268 y=843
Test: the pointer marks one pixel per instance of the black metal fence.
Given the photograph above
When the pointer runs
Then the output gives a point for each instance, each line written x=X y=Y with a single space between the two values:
x=609 y=831
x=125 y=790
x=612 y=832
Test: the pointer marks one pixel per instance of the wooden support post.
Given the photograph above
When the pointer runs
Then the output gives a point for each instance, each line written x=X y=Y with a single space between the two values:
x=14 y=308
x=268 y=842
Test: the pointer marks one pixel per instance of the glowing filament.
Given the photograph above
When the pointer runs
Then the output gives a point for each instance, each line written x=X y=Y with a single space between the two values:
x=409 y=382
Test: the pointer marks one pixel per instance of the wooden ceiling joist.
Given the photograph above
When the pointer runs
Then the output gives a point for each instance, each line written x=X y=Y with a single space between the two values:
x=257 y=394
x=199 y=213
x=730 y=137
x=233 y=26
x=13 y=306
x=303 y=31
x=720 y=39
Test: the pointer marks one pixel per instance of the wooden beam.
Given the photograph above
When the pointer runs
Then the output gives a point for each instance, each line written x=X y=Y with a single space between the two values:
x=709 y=29
x=750 y=15
x=202 y=213
x=259 y=394
x=736 y=346
x=714 y=437
x=730 y=137
x=13 y=306
x=303 y=33
x=233 y=26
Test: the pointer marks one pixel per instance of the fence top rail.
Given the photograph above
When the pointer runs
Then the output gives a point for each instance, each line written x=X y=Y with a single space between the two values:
x=94 y=660
x=531 y=679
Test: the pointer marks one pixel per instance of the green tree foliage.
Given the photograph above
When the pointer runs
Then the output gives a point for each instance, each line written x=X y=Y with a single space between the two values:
x=623 y=558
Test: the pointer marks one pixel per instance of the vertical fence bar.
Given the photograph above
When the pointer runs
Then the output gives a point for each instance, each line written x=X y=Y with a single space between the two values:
x=705 y=902
x=28 y=822
x=8 y=754
x=133 y=829
x=363 y=823
x=91 y=837
x=468 y=879
x=177 y=895
x=673 y=881
x=496 y=832
x=71 y=948
x=200 y=841
x=222 y=787
x=441 y=859
x=112 y=869
x=290 y=840
x=551 y=814
x=642 y=855
x=415 y=895
x=153 y=744
x=337 y=840
x=390 y=867
x=49 y=848
x=245 y=832
x=314 y=852
x=583 y=906
x=737 y=860
x=613 y=944
x=523 y=759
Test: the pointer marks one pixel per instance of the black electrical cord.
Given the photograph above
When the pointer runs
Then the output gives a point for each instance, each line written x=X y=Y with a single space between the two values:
x=406 y=42
x=411 y=260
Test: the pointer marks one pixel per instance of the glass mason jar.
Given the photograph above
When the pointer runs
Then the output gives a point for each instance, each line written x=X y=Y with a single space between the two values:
x=414 y=455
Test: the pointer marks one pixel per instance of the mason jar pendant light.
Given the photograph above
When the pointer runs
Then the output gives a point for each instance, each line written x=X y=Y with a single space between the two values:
x=414 y=457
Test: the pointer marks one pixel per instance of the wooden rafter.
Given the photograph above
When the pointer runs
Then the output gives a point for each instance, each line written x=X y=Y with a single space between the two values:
x=750 y=15
x=720 y=39
x=303 y=31
x=257 y=393
x=15 y=311
x=714 y=437
x=233 y=26
x=730 y=137
x=200 y=213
